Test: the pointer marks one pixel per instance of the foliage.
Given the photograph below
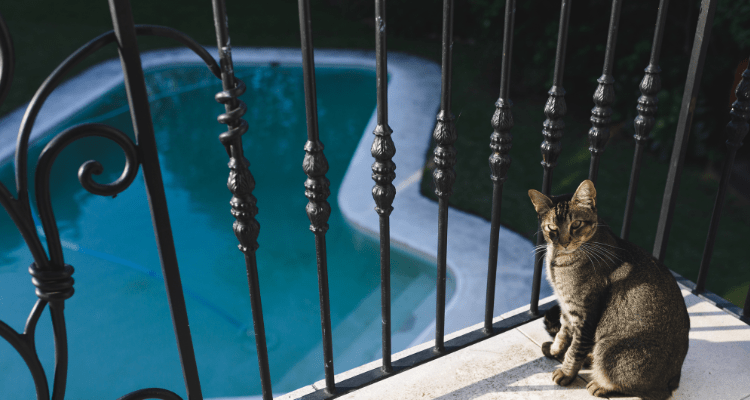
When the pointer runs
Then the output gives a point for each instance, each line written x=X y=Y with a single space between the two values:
x=481 y=22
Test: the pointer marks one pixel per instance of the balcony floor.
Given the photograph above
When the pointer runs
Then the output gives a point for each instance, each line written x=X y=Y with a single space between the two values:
x=511 y=365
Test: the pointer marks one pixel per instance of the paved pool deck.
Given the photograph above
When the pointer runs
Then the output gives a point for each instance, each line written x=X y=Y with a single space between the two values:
x=413 y=98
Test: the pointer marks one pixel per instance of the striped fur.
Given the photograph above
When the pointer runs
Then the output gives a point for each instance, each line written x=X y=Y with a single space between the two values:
x=619 y=308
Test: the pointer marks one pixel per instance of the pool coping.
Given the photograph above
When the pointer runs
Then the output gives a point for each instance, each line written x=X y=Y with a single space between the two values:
x=414 y=99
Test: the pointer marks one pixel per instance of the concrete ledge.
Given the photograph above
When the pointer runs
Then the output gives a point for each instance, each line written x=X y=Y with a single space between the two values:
x=511 y=365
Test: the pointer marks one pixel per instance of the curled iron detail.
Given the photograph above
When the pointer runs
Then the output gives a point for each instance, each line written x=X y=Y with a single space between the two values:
x=233 y=118
x=151 y=393
x=85 y=172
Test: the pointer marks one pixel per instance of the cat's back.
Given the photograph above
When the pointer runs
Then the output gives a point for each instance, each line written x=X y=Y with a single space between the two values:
x=644 y=297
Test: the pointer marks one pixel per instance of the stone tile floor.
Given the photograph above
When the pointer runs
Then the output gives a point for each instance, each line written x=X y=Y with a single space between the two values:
x=511 y=365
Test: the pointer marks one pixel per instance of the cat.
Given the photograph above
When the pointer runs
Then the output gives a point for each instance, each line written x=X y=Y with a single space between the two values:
x=620 y=309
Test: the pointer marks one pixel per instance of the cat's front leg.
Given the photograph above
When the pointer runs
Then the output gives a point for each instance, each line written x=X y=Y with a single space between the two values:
x=580 y=347
x=559 y=346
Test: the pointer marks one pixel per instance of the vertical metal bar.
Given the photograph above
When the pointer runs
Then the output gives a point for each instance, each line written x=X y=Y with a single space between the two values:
x=317 y=185
x=241 y=184
x=736 y=131
x=687 y=109
x=604 y=96
x=383 y=173
x=552 y=131
x=444 y=174
x=501 y=142
x=135 y=86
x=647 y=106
x=746 y=308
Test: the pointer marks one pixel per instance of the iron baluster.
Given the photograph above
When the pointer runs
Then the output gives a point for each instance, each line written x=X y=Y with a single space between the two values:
x=501 y=142
x=52 y=276
x=317 y=189
x=685 y=121
x=241 y=183
x=555 y=109
x=444 y=175
x=647 y=106
x=383 y=173
x=736 y=131
x=604 y=96
x=135 y=87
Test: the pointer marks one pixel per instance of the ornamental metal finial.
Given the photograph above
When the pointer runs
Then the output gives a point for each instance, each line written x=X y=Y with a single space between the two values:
x=601 y=114
x=317 y=185
x=555 y=109
x=501 y=140
x=241 y=183
x=738 y=125
x=383 y=170
x=445 y=154
x=647 y=103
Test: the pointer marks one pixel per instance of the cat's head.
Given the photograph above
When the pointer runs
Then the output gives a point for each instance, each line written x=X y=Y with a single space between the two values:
x=567 y=222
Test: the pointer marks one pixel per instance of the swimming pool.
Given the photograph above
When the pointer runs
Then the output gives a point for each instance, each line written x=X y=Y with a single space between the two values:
x=118 y=320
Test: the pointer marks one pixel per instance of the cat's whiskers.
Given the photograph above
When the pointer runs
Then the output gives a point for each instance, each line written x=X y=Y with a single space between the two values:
x=603 y=252
x=606 y=250
x=583 y=249
x=590 y=250
x=607 y=244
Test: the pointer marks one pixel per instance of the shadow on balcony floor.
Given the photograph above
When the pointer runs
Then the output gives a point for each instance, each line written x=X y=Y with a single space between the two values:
x=511 y=365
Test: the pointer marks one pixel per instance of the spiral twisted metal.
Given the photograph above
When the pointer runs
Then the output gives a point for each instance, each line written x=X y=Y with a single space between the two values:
x=241 y=182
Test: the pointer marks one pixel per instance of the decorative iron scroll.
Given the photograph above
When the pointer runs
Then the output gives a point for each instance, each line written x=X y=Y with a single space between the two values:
x=51 y=276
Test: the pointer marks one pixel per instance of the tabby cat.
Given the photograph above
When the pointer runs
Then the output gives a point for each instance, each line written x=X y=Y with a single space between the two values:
x=620 y=308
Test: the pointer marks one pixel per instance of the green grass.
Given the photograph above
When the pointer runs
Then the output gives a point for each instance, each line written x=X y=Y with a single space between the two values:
x=44 y=38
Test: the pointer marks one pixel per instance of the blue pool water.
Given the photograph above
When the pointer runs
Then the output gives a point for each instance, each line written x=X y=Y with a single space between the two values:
x=119 y=328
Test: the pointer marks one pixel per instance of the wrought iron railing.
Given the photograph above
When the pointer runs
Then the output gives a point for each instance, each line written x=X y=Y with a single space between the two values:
x=53 y=277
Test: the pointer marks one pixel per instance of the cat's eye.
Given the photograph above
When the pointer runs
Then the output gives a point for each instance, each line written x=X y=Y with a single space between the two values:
x=576 y=224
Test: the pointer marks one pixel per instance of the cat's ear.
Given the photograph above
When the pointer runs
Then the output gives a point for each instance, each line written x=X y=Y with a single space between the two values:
x=585 y=195
x=542 y=203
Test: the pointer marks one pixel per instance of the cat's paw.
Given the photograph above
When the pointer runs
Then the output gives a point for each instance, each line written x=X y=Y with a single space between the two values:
x=546 y=349
x=561 y=378
x=596 y=390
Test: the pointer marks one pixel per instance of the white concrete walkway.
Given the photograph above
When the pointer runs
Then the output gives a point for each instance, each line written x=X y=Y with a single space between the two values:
x=511 y=365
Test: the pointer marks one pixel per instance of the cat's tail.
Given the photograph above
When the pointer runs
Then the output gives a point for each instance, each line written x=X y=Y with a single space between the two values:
x=552 y=320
